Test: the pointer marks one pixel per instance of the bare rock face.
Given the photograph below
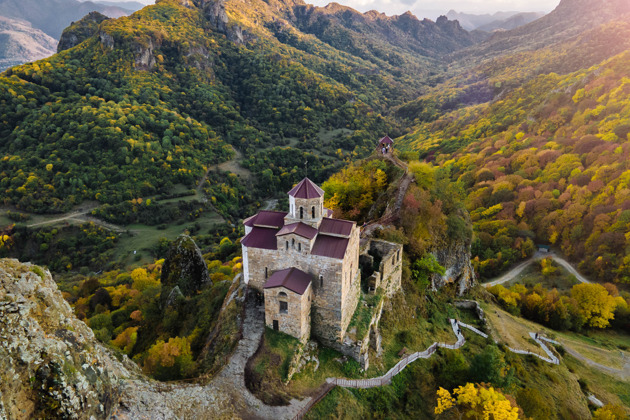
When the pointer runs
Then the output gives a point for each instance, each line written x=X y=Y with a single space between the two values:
x=214 y=11
x=145 y=59
x=79 y=31
x=51 y=366
x=184 y=268
x=106 y=40
x=459 y=270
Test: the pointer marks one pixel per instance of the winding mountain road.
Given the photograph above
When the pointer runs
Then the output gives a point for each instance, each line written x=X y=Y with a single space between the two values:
x=510 y=275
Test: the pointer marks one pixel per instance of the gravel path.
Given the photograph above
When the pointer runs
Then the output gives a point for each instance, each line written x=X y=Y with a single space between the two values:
x=225 y=397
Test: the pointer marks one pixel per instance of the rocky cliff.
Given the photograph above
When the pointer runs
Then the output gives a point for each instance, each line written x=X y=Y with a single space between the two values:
x=184 y=271
x=455 y=258
x=79 y=31
x=51 y=366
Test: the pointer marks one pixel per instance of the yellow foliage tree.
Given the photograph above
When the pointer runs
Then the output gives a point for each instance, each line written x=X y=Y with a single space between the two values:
x=474 y=401
x=142 y=280
x=169 y=360
x=126 y=339
x=610 y=412
x=595 y=304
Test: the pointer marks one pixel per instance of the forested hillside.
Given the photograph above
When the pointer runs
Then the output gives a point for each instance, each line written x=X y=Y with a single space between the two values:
x=547 y=163
x=154 y=99
x=161 y=97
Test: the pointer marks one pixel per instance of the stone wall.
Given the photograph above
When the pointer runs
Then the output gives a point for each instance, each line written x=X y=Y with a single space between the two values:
x=297 y=319
x=389 y=274
x=351 y=278
x=294 y=243
x=358 y=347
x=329 y=297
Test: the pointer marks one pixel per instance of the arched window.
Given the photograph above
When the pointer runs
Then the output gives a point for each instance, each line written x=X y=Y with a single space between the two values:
x=301 y=213
x=282 y=295
x=313 y=211
x=293 y=243
x=321 y=281
x=299 y=247
x=287 y=245
x=266 y=272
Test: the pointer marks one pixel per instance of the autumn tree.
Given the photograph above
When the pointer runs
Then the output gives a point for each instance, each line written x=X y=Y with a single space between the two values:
x=610 y=412
x=478 y=402
x=595 y=304
x=169 y=360
x=126 y=339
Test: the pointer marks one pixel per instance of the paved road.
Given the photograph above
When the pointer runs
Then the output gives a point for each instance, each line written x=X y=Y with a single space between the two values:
x=510 y=275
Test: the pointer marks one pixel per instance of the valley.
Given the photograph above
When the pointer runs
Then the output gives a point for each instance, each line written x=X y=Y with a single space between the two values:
x=141 y=164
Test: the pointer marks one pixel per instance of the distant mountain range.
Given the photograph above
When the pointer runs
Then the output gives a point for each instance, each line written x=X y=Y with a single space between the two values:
x=20 y=42
x=492 y=22
x=30 y=28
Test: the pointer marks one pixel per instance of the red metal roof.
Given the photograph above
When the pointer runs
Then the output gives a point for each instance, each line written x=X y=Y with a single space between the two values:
x=266 y=218
x=306 y=189
x=386 y=140
x=301 y=229
x=336 y=227
x=264 y=238
x=330 y=246
x=291 y=278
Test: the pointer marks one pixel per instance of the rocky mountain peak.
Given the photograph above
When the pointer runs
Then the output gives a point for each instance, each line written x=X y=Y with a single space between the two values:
x=79 y=31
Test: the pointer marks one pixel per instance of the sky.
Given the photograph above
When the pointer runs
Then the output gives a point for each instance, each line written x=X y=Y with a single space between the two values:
x=432 y=9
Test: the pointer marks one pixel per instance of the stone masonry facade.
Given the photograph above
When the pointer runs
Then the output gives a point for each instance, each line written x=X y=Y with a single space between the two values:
x=306 y=265
x=296 y=304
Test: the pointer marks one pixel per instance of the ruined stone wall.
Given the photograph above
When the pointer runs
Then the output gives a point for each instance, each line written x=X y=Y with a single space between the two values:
x=296 y=321
x=390 y=268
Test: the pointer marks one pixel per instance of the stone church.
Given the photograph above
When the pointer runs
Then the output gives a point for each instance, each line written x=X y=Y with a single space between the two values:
x=306 y=264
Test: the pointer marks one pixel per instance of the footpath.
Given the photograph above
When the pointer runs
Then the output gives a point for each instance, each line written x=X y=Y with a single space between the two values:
x=461 y=340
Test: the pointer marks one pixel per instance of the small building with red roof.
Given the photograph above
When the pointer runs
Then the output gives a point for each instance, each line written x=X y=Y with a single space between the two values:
x=289 y=288
x=386 y=141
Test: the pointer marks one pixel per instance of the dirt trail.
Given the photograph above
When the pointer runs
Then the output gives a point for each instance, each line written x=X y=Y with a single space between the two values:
x=392 y=212
x=80 y=216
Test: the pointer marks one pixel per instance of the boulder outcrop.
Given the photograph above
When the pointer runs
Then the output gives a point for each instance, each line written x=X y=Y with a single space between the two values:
x=51 y=366
x=184 y=268
x=79 y=31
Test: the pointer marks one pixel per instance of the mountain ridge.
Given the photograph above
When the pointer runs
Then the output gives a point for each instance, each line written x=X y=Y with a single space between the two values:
x=53 y=16
x=20 y=42
x=567 y=20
